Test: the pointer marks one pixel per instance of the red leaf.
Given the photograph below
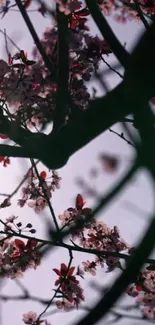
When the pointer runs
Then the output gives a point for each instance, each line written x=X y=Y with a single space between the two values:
x=31 y=243
x=63 y=267
x=1 y=158
x=43 y=174
x=6 y=161
x=27 y=3
x=3 y=136
x=57 y=282
x=17 y=254
x=19 y=244
x=79 y=202
x=57 y=272
x=71 y=271
x=139 y=288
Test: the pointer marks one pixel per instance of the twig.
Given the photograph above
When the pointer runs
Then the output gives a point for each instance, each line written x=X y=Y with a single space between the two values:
x=35 y=37
x=122 y=137
x=111 y=68
x=47 y=198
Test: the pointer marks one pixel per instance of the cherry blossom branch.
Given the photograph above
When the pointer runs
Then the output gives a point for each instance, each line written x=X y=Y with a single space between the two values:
x=106 y=31
x=19 y=185
x=94 y=116
x=140 y=13
x=74 y=247
x=101 y=114
x=108 y=197
x=124 y=280
x=122 y=137
x=47 y=198
x=35 y=37
x=57 y=290
x=145 y=247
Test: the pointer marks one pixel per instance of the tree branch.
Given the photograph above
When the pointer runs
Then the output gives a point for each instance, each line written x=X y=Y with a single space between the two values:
x=35 y=37
x=12 y=151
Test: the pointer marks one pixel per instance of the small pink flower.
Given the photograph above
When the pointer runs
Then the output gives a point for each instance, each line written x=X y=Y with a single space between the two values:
x=38 y=205
x=11 y=219
x=30 y=317
x=65 y=217
x=149 y=312
x=64 y=304
x=21 y=202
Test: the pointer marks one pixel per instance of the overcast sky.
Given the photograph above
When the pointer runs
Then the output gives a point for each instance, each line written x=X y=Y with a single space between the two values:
x=41 y=282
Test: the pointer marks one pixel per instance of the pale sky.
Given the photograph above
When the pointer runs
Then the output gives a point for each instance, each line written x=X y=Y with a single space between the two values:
x=41 y=282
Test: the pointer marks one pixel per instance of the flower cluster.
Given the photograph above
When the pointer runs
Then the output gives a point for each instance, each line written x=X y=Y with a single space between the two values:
x=69 y=287
x=31 y=91
x=73 y=216
x=144 y=290
x=16 y=257
x=98 y=236
x=39 y=189
x=27 y=85
x=93 y=235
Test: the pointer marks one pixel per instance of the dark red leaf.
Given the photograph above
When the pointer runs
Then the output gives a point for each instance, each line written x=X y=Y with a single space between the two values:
x=31 y=243
x=57 y=272
x=27 y=3
x=79 y=202
x=3 y=136
x=19 y=244
x=71 y=271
